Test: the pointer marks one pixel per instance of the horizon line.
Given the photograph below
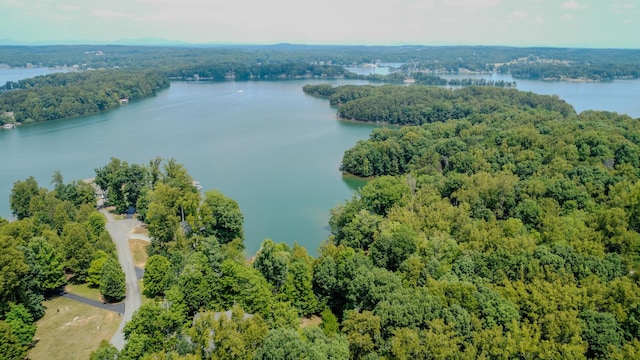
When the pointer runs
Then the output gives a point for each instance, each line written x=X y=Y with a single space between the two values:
x=159 y=42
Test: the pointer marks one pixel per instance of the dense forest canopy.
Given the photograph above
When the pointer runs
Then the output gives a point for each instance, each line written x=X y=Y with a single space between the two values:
x=417 y=105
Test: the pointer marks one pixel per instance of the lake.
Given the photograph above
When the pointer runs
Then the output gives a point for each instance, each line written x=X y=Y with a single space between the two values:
x=620 y=96
x=267 y=145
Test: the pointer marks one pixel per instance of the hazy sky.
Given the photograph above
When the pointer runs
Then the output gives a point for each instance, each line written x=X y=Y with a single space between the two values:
x=573 y=23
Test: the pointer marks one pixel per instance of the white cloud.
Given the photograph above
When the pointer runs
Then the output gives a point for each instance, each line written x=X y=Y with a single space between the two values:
x=519 y=15
x=539 y=20
x=573 y=5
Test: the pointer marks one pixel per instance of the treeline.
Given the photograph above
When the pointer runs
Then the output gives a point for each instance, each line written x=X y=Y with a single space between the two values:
x=434 y=59
x=57 y=235
x=423 y=78
x=416 y=105
x=62 y=95
x=244 y=71
x=481 y=82
x=592 y=72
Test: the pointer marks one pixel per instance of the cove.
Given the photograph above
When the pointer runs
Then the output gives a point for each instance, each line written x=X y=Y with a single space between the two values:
x=267 y=145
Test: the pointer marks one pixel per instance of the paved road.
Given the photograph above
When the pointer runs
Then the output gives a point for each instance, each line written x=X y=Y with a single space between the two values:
x=119 y=307
x=119 y=231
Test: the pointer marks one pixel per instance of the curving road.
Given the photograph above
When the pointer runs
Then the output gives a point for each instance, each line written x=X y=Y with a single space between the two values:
x=120 y=231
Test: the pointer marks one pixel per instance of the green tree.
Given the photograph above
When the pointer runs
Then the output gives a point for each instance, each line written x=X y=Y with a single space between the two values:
x=163 y=226
x=283 y=315
x=495 y=309
x=154 y=327
x=272 y=261
x=282 y=344
x=394 y=244
x=13 y=269
x=222 y=217
x=602 y=332
x=229 y=335
x=105 y=351
x=21 y=195
x=320 y=346
x=123 y=183
x=299 y=289
x=94 y=273
x=22 y=325
x=361 y=230
x=363 y=333
x=194 y=283
x=156 y=275
x=46 y=266
x=330 y=324
x=381 y=194
x=10 y=346
x=370 y=286
x=96 y=223
x=64 y=212
x=77 y=251
x=112 y=281
x=243 y=285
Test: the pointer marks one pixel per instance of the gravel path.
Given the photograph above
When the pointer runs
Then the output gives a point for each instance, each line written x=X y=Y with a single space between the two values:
x=120 y=231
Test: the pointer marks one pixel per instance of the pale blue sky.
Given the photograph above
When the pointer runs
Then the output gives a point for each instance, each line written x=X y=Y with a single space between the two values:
x=566 y=23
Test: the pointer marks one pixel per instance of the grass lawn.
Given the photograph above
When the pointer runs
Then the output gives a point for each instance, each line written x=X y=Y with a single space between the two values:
x=139 y=251
x=84 y=290
x=142 y=229
x=71 y=330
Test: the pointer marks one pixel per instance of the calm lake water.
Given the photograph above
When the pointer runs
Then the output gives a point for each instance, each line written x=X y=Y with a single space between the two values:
x=265 y=144
x=621 y=96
